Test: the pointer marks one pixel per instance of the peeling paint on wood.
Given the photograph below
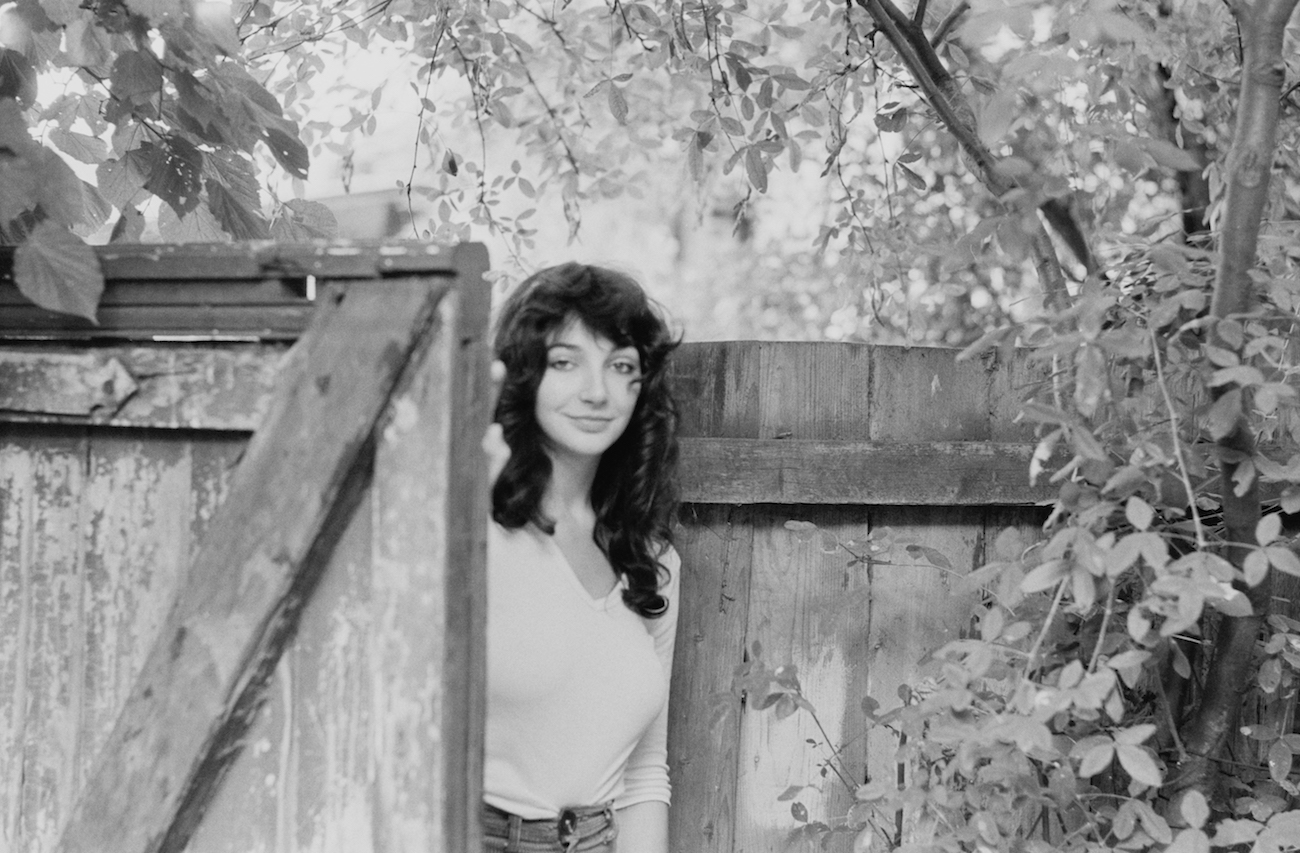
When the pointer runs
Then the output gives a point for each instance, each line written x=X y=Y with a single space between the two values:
x=225 y=388
x=71 y=384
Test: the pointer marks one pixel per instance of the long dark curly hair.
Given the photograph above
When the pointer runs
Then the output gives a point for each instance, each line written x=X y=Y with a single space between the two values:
x=635 y=491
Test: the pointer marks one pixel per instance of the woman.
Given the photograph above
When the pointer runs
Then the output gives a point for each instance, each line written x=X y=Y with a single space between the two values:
x=582 y=578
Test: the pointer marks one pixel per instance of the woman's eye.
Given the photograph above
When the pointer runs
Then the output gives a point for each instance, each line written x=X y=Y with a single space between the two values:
x=559 y=364
x=627 y=368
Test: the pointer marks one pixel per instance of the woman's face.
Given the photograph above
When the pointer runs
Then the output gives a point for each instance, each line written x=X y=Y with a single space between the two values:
x=588 y=392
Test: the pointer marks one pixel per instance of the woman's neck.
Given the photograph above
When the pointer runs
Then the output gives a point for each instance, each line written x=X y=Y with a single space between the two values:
x=568 y=494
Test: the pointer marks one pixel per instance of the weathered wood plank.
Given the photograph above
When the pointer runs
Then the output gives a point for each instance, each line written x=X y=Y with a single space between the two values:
x=179 y=264
x=916 y=606
x=809 y=608
x=716 y=545
x=40 y=579
x=921 y=392
x=300 y=480
x=66 y=383
x=304 y=780
x=951 y=473
x=717 y=387
x=166 y=386
x=143 y=322
x=815 y=391
x=428 y=599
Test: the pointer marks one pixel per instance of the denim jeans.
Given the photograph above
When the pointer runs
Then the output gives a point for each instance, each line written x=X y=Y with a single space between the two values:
x=585 y=829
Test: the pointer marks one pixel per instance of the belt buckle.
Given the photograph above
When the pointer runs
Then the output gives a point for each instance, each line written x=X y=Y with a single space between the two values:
x=568 y=827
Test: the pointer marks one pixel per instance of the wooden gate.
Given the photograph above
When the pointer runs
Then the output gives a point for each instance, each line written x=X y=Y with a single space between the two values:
x=280 y=655
x=870 y=445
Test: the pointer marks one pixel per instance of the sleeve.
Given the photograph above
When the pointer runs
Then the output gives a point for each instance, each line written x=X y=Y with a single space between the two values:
x=646 y=777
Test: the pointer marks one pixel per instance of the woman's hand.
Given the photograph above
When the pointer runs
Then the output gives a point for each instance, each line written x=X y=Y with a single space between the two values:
x=494 y=441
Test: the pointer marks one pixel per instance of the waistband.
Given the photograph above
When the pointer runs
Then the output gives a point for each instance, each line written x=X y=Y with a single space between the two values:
x=569 y=828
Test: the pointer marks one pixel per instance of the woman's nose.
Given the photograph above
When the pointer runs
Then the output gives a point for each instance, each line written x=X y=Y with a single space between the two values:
x=594 y=389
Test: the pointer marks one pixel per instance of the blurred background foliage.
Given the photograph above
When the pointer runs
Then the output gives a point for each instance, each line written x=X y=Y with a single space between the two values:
x=772 y=169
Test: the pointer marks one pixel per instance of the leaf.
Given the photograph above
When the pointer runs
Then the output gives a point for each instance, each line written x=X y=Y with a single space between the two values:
x=917 y=182
x=1255 y=567
x=1279 y=761
x=617 y=104
x=1139 y=513
x=1190 y=841
x=1096 y=759
x=235 y=217
x=755 y=170
x=1230 y=832
x=174 y=168
x=892 y=122
x=59 y=272
x=80 y=146
x=120 y=181
x=790 y=793
x=18 y=78
x=198 y=226
x=1139 y=764
x=1284 y=560
x=1291 y=500
x=136 y=77
x=299 y=220
x=1044 y=576
x=1268 y=528
x=1224 y=414
x=288 y=151
x=1135 y=735
x=1195 y=809
x=1270 y=675
x=799 y=812
x=1170 y=156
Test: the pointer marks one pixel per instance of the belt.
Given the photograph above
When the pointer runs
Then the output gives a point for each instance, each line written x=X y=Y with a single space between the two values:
x=568 y=829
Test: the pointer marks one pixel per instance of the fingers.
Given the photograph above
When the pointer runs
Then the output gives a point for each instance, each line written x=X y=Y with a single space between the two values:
x=494 y=441
x=496 y=450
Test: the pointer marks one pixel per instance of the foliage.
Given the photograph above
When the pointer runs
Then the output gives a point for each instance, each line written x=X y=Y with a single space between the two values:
x=1055 y=725
x=156 y=101
x=192 y=102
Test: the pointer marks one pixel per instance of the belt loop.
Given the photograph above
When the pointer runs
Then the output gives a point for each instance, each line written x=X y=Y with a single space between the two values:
x=516 y=825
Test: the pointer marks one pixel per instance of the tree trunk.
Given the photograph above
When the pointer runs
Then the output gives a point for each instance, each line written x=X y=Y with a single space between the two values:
x=1263 y=26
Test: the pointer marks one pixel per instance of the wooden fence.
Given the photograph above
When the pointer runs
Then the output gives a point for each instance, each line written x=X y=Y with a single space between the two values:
x=859 y=441
x=213 y=644
x=117 y=453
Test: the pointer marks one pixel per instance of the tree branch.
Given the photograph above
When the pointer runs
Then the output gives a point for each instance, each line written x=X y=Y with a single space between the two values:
x=944 y=95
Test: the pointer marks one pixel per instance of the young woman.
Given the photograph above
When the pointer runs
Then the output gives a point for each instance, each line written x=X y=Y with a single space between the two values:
x=582 y=578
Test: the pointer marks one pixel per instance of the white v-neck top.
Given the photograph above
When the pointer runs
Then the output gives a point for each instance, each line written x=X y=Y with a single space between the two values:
x=577 y=687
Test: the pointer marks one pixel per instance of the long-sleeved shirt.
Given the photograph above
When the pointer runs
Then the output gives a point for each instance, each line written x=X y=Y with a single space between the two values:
x=577 y=687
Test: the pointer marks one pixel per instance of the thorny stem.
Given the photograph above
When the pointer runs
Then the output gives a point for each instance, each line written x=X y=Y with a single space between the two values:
x=831 y=762
x=1032 y=658
x=1171 y=722
x=419 y=122
x=1178 y=444
x=1105 y=623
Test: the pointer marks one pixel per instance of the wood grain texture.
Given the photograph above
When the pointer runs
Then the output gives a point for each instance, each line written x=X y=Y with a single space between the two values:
x=298 y=484
x=166 y=386
x=303 y=781
x=947 y=473
x=809 y=609
x=716 y=545
x=41 y=478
